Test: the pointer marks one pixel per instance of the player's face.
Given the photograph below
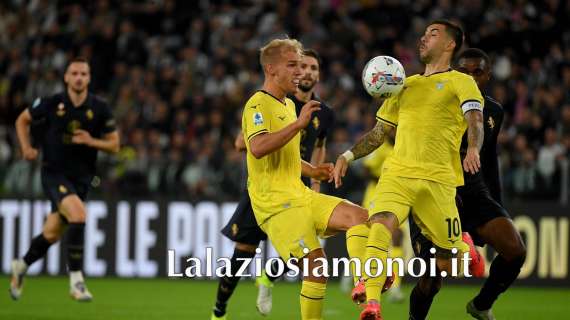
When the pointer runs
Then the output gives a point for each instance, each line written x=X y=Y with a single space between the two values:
x=310 y=73
x=288 y=71
x=477 y=68
x=433 y=43
x=77 y=76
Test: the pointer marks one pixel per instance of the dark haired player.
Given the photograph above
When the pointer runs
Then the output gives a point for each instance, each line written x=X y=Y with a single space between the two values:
x=480 y=211
x=431 y=112
x=242 y=227
x=75 y=125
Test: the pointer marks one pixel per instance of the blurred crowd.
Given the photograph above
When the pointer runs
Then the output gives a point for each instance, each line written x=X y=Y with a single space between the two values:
x=177 y=74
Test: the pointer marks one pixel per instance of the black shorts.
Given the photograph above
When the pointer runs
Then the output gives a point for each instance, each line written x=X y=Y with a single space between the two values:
x=242 y=226
x=57 y=186
x=476 y=207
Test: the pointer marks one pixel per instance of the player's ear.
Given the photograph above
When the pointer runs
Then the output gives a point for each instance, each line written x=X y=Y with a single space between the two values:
x=269 y=69
x=451 y=45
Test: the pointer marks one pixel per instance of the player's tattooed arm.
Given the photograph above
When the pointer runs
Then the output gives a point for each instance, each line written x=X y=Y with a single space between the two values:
x=475 y=131
x=475 y=137
x=370 y=141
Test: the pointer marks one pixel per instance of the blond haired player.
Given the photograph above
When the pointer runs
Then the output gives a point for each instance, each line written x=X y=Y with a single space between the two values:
x=291 y=214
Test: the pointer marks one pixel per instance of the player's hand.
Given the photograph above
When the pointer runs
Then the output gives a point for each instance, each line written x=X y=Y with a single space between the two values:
x=472 y=163
x=340 y=170
x=307 y=112
x=81 y=137
x=323 y=172
x=30 y=153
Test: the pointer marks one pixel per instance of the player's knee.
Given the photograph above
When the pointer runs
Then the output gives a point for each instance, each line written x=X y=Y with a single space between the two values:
x=515 y=253
x=388 y=219
x=444 y=264
x=245 y=247
x=77 y=216
x=51 y=236
x=360 y=216
x=316 y=260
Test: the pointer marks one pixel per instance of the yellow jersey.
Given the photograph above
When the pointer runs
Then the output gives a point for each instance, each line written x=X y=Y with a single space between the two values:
x=374 y=162
x=429 y=115
x=274 y=181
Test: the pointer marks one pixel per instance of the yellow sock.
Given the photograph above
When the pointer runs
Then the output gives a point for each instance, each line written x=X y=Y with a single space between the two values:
x=379 y=242
x=396 y=252
x=356 y=240
x=312 y=299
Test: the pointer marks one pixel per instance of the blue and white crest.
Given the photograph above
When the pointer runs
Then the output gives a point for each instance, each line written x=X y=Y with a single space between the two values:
x=257 y=118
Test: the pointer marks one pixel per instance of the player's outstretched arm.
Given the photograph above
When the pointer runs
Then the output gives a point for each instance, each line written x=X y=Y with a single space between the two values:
x=368 y=143
x=321 y=172
x=475 y=137
x=23 y=131
x=266 y=143
x=110 y=142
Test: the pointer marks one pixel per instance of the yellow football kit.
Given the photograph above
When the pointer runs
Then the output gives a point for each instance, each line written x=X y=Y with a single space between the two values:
x=292 y=215
x=374 y=162
x=425 y=168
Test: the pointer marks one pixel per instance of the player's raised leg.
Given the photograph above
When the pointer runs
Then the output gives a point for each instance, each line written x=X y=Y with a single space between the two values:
x=51 y=233
x=351 y=218
x=74 y=210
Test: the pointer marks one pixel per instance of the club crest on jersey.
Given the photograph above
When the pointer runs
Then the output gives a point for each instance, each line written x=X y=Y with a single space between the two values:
x=60 y=110
x=62 y=189
x=491 y=122
x=439 y=85
x=257 y=118
x=316 y=123
x=89 y=114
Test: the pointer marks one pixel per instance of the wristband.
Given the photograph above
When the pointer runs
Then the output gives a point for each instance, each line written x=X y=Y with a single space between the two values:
x=348 y=155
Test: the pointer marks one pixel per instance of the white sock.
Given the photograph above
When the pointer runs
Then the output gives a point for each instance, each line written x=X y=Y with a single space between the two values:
x=75 y=277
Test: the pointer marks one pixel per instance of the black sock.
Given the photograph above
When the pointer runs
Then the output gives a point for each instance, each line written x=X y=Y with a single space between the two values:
x=38 y=249
x=502 y=274
x=421 y=300
x=227 y=285
x=275 y=269
x=75 y=239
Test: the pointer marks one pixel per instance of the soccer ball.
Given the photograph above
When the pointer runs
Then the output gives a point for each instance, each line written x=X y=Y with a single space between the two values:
x=383 y=77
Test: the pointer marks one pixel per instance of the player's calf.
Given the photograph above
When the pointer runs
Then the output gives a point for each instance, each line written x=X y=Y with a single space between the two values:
x=313 y=286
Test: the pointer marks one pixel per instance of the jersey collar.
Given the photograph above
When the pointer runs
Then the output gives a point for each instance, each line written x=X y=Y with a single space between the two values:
x=86 y=103
x=274 y=97
x=448 y=70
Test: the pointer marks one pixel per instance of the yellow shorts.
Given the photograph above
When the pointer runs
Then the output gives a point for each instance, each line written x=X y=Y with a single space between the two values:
x=297 y=228
x=432 y=204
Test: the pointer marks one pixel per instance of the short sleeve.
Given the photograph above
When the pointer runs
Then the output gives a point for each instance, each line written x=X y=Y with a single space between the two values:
x=255 y=120
x=468 y=93
x=108 y=123
x=389 y=111
x=39 y=108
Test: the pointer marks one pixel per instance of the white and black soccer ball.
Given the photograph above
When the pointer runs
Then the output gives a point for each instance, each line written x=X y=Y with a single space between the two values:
x=383 y=77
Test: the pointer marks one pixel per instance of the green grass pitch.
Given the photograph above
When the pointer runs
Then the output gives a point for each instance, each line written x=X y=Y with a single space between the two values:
x=47 y=298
